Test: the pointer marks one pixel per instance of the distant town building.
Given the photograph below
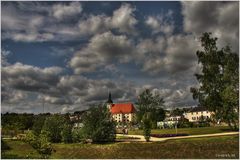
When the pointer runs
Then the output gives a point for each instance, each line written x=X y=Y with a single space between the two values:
x=121 y=112
x=198 y=113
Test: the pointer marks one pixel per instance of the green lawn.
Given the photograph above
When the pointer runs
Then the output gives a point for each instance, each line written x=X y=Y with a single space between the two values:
x=191 y=131
x=210 y=147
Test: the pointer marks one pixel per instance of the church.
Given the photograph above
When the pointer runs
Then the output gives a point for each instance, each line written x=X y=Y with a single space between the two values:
x=121 y=112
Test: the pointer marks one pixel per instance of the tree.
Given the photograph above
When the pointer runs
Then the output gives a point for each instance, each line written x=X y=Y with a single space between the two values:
x=38 y=124
x=40 y=143
x=153 y=104
x=67 y=133
x=219 y=81
x=53 y=125
x=45 y=148
x=98 y=125
x=147 y=126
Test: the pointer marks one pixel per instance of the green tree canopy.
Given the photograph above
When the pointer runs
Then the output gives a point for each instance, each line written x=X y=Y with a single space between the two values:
x=152 y=104
x=99 y=125
x=53 y=125
x=218 y=80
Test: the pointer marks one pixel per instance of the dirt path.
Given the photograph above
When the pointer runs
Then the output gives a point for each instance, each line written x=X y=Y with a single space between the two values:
x=154 y=139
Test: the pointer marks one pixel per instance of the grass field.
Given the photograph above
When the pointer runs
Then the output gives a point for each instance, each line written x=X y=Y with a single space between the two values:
x=191 y=131
x=211 y=147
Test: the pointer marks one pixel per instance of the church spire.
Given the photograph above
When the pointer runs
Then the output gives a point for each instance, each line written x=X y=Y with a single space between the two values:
x=109 y=98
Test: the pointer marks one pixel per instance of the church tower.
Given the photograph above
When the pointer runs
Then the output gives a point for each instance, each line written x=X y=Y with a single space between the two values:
x=109 y=101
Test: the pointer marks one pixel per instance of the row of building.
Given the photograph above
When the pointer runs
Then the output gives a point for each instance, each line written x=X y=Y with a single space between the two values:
x=126 y=113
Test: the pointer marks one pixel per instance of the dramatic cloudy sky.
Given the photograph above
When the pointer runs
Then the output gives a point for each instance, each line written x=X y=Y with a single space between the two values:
x=68 y=55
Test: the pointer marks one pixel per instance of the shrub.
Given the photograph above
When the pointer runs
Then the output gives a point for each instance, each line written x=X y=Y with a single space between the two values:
x=77 y=135
x=53 y=126
x=67 y=133
x=147 y=126
x=98 y=125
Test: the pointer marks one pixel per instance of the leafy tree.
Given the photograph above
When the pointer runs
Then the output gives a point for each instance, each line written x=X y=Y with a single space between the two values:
x=53 y=125
x=177 y=112
x=67 y=133
x=38 y=124
x=153 y=104
x=16 y=121
x=219 y=81
x=45 y=148
x=98 y=125
x=40 y=143
x=147 y=126
x=77 y=135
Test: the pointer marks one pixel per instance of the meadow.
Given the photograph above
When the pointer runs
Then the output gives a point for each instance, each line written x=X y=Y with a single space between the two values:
x=210 y=147
x=190 y=131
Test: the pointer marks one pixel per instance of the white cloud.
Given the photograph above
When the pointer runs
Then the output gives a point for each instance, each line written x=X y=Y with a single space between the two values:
x=102 y=49
x=94 y=24
x=62 y=11
x=171 y=54
x=161 y=23
x=124 y=19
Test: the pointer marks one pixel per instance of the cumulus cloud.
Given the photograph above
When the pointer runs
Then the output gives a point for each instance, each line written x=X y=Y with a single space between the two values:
x=161 y=23
x=61 y=11
x=222 y=19
x=94 y=24
x=29 y=78
x=173 y=54
x=39 y=22
x=123 y=19
x=102 y=48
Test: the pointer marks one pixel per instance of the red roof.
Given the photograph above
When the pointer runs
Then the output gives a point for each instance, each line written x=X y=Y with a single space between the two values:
x=122 y=108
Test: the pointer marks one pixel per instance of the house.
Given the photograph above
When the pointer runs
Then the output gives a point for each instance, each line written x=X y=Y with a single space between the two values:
x=198 y=113
x=121 y=112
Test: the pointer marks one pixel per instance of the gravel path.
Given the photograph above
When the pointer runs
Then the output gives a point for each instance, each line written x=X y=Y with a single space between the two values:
x=154 y=139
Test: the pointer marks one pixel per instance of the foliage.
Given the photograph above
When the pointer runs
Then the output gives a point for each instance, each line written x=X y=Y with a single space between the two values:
x=32 y=139
x=151 y=103
x=219 y=81
x=45 y=147
x=177 y=112
x=53 y=126
x=40 y=143
x=98 y=125
x=77 y=135
x=16 y=121
x=38 y=124
x=67 y=133
x=146 y=126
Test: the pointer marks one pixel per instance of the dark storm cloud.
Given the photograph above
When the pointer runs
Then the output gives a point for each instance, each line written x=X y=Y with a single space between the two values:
x=29 y=78
x=222 y=19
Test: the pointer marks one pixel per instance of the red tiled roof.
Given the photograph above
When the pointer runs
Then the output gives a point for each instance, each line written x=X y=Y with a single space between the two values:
x=122 y=108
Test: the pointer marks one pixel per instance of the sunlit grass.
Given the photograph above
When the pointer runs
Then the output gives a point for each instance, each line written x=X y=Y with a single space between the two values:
x=190 y=131
x=208 y=147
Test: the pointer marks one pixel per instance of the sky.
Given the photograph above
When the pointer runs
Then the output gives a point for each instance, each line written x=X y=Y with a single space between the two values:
x=68 y=56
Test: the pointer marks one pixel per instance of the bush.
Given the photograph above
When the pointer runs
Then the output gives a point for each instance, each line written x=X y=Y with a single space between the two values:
x=40 y=143
x=53 y=126
x=146 y=127
x=98 y=125
x=67 y=133
x=77 y=135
